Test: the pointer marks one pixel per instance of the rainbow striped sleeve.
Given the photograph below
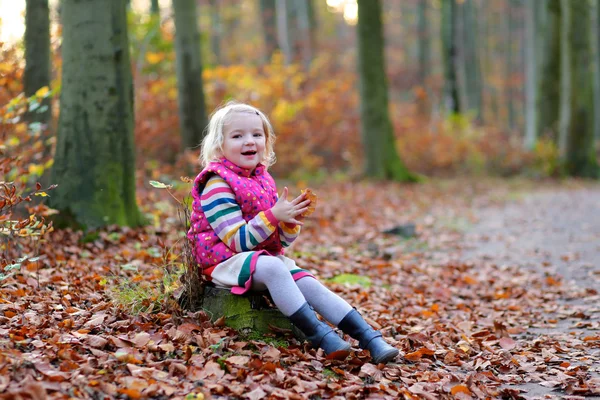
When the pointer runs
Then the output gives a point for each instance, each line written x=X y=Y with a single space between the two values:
x=288 y=233
x=225 y=217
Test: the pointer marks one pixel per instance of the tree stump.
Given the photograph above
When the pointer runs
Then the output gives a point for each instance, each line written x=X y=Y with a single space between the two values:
x=249 y=313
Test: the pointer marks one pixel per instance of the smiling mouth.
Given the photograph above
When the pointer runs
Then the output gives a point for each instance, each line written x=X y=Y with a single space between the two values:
x=249 y=153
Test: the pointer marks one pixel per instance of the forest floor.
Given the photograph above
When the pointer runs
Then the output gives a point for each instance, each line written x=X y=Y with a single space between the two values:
x=496 y=296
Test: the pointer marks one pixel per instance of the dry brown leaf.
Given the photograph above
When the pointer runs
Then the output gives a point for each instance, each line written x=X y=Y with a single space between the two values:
x=310 y=195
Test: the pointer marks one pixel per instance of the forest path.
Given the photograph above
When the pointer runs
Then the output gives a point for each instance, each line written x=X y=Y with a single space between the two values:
x=554 y=232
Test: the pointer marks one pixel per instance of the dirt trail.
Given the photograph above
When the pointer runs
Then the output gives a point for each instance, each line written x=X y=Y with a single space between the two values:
x=556 y=233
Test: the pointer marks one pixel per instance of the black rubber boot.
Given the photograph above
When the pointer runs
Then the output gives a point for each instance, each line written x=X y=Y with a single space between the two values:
x=368 y=338
x=319 y=334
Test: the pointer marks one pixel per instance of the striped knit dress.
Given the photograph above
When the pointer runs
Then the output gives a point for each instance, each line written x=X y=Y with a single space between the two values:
x=242 y=234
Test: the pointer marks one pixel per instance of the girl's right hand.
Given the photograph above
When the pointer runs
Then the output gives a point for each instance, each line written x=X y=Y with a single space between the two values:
x=289 y=211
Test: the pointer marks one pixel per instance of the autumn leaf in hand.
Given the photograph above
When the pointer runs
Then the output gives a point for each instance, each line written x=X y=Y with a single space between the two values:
x=310 y=195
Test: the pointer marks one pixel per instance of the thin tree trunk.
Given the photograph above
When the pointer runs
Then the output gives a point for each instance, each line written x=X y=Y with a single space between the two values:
x=595 y=40
x=216 y=31
x=550 y=66
x=530 y=76
x=94 y=164
x=37 y=57
x=283 y=33
x=451 y=97
x=424 y=56
x=510 y=68
x=565 y=78
x=381 y=157
x=269 y=26
x=154 y=7
x=304 y=28
x=460 y=61
x=580 y=155
x=472 y=63
x=192 y=109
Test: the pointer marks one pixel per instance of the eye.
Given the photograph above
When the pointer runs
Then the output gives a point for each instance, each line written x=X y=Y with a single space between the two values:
x=236 y=136
x=258 y=134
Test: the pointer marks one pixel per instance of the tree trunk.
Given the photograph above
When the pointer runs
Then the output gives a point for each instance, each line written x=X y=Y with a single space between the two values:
x=471 y=59
x=565 y=78
x=155 y=8
x=451 y=97
x=510 y=69
x=382 y=160
x=305 y=32
x=283 y=37
x=424 y=56
x=595 y=37
x=192 y=109
x=530 y=76
x=548 y=99
x=94 y=163
x=37 y=57
x=269 y=26
x=577 y=126
x=216 y=31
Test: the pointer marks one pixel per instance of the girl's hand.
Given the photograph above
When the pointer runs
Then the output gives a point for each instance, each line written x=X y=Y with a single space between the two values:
x=289 y=211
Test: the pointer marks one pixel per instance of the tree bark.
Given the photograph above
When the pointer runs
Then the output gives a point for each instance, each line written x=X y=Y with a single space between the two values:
x=449 y=54
x=471 y=59
x=530 y=76
x=269 y=26
x=192 y=109
x=381 y=157
x=154 y=7
x=37 y=57
x=95 y=160
x=424 y=56
x=287 y=29
x=595 y=37
x=577 y=126
x=305 y=31
x=565 y=78
x=548 y=99
x=216 y=31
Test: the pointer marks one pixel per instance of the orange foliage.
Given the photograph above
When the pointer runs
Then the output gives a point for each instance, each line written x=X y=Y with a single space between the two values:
x=314 y=113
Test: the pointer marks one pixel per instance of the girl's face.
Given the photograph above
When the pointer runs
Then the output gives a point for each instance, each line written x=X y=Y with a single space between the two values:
x=244 y=139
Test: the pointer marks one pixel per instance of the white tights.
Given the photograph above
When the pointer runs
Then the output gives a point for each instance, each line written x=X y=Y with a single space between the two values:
x=289 y=295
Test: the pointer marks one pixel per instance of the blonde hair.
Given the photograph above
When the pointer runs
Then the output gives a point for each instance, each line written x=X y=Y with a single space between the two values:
x=212 y=144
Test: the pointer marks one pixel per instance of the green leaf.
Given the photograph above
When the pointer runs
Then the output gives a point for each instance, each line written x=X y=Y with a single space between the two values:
x=160 y=185
x=129 y=267
x=12 y=266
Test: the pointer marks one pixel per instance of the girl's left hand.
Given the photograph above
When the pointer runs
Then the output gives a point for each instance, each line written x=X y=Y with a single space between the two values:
x=290 y=211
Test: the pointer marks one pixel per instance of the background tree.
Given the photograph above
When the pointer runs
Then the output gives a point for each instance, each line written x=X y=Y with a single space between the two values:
x=216 y=31
x=449 y=55
x=154 y=7
x=381 y=157
x=94 y=161
x=530 y=75
x=192 y=108
x=424 y=54
x=285 y=29
x=576 y=138
x=548 y=86
x=269 y=27
x=595 y=17
x=37 y=56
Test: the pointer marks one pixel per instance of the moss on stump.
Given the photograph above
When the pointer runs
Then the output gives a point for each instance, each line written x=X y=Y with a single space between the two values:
x=248 y=314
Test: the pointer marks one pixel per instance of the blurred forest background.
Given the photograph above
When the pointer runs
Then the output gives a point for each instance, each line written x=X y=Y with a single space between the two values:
x=103 y=104
x=476 y=87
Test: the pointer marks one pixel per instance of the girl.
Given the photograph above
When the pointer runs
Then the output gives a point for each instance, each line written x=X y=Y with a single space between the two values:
x=239 y=228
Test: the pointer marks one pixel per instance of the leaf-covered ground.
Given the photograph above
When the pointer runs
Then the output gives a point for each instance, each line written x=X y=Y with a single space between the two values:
x=474 y=313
